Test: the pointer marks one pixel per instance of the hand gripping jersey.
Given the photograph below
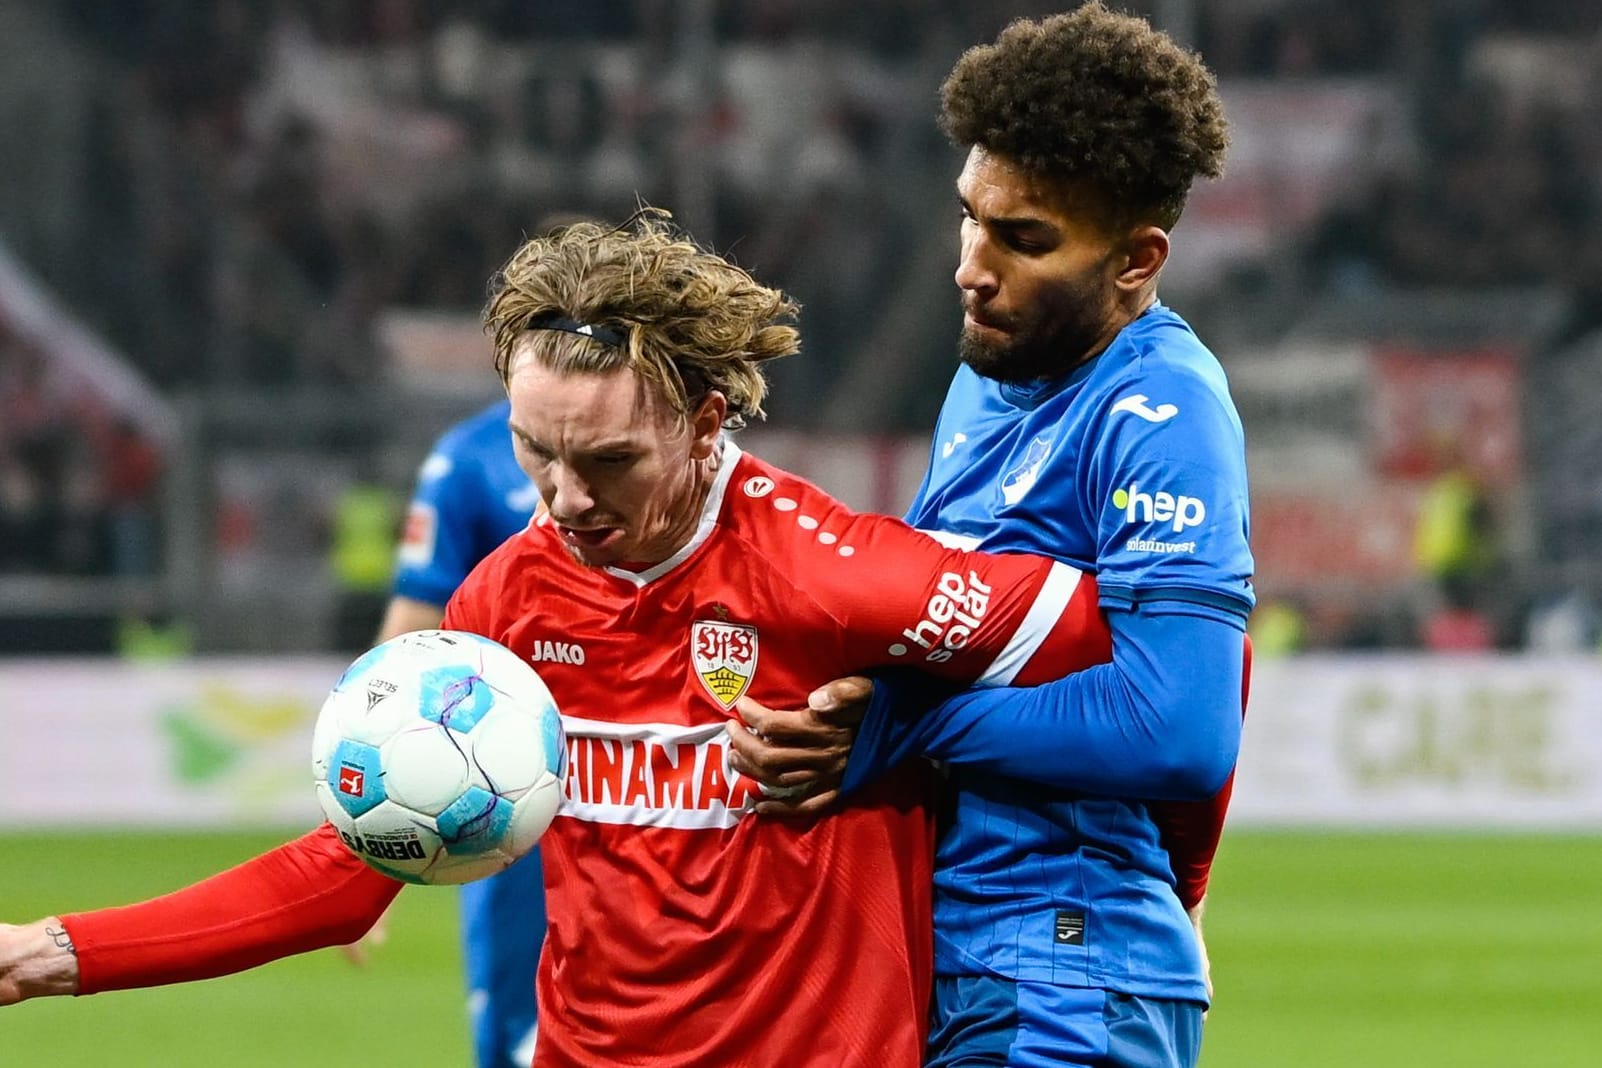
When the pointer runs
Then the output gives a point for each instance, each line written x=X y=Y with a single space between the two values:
x=681 y=930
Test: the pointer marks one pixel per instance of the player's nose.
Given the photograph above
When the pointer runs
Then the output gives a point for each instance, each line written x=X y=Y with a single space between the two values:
x=973 y=274
x=570 y=497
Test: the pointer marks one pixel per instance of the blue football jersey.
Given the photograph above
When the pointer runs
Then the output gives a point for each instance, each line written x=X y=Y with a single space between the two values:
x=1132 y=467
x=470 y=497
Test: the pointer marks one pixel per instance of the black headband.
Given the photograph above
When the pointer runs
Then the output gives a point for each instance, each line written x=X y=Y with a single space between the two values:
x=606 y=335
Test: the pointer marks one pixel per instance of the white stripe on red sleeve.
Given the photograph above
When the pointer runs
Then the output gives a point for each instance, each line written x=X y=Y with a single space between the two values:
x=1053 y=599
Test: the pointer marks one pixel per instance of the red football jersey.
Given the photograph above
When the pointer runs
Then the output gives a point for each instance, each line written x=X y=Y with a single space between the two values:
x=681 y=930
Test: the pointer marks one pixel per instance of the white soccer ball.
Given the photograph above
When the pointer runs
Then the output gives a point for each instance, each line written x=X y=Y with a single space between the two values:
x=439 y=757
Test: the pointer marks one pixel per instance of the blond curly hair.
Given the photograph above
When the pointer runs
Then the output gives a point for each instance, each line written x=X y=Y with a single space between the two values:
x=690 y=321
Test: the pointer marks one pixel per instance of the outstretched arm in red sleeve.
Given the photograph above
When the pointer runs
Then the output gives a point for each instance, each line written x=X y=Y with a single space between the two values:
x=307 y=894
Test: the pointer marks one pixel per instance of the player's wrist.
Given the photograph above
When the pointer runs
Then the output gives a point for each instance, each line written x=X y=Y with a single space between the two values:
x=37 y=960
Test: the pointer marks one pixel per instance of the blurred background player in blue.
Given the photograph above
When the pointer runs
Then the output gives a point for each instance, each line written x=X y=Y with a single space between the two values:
x=1088 y=423
x=470 y=497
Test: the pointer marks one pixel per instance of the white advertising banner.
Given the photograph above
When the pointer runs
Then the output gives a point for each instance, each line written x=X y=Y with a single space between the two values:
x=204 y=742
x=1386 y=741
x=1423 y=741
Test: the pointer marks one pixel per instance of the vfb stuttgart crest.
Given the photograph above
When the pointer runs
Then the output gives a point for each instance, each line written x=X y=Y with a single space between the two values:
x=725 y=656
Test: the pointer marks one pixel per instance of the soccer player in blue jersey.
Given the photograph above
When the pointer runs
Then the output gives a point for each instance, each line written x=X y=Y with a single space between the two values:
x=1090 y=423
x=471 y=496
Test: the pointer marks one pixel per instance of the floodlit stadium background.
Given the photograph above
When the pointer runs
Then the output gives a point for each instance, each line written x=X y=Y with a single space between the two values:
x=237 y=239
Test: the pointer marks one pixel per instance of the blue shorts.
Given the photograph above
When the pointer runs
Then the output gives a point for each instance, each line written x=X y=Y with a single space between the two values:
x=983 y=1020
x=503 y=925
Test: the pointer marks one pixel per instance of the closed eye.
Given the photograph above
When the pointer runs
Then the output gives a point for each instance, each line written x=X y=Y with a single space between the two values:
x=527 y=444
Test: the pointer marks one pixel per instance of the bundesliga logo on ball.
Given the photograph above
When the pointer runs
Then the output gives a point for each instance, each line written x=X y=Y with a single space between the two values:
x=439 y=757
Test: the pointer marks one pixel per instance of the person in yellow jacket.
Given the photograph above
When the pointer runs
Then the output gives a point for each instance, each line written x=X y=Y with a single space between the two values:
x=362 y=558
x=1455 y=548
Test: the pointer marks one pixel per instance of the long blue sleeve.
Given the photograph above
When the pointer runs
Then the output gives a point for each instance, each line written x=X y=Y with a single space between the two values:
x=1161 y=721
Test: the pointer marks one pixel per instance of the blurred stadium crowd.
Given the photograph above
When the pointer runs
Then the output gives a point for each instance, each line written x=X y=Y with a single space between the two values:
x=242 y=198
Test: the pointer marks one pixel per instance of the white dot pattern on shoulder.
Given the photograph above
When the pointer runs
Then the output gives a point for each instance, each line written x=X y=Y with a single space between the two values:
x=759 y=486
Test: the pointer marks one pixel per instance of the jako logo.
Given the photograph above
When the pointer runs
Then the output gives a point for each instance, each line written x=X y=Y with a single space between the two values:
x=1159 y=507
x=557 y=653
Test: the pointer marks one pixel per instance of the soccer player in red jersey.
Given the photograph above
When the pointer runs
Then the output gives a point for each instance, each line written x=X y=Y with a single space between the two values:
x=672 y=575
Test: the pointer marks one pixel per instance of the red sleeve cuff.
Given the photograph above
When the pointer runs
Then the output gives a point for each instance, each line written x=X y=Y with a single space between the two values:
x=1190 y=832
x=304 y=895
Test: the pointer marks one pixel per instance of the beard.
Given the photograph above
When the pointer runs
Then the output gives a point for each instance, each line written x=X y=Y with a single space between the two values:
x=1070 y=326
x=1015 y=361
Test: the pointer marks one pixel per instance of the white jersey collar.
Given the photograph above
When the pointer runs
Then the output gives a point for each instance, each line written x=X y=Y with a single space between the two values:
x=710 y=511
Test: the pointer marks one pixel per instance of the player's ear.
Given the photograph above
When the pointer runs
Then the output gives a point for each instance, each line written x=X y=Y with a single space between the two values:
x=706 y=423
x=1145 y=252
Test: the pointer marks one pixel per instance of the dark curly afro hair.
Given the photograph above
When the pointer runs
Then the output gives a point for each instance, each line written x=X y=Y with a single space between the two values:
x=1096 y=102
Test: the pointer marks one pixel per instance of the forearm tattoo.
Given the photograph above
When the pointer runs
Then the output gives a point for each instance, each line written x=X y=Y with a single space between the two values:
x=62 y=939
